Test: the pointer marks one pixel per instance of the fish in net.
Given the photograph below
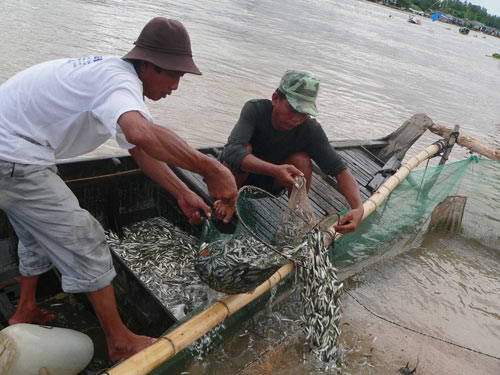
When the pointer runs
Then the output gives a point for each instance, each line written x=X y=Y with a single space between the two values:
x=269 y=234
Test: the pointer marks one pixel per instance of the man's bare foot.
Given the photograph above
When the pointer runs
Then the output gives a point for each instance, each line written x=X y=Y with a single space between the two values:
x=224 y=211
x=34 y=315
x=127 y=347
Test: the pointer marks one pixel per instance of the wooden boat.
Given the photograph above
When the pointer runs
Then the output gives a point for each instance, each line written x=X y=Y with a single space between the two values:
x=414 y=20
x=464 y=31
x=117 y=193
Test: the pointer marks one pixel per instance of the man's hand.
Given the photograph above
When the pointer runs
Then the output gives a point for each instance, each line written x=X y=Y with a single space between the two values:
x=350 y=221
x=191 y=204
x=286 y=173
x=221 y=184
x=223 y=211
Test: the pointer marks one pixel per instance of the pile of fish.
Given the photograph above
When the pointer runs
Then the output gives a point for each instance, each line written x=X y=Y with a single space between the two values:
x=237 y=264
x=240 y=262
x=162 y=256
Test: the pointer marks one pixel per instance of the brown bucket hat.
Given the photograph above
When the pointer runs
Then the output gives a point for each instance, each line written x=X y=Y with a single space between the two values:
x=164 y=43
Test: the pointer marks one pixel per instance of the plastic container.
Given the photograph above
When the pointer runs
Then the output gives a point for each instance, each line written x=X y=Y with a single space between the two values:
x=29 y=349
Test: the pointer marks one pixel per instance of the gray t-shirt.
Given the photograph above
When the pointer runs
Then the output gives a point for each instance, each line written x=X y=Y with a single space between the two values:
x=254 y=127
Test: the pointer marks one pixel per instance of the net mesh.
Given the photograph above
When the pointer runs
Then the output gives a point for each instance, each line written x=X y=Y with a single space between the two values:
x=269 y=234
x=410 y=206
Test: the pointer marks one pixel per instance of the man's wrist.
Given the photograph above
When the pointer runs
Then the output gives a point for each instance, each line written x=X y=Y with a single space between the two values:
x=210 y=166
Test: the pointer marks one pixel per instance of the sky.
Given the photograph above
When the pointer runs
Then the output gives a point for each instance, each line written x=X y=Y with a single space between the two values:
x=493 y=6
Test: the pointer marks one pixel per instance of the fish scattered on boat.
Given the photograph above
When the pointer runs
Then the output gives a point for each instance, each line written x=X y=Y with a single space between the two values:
x=162 y=256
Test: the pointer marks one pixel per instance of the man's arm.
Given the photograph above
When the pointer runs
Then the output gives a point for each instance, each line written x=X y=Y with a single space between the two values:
x=236 y=147
x=349 y=188
x=188 y=201
x=165 y=145
x=281 y=172
x=322 y=152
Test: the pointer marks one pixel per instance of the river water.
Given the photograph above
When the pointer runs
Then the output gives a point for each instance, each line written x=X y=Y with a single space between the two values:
x=376 y=70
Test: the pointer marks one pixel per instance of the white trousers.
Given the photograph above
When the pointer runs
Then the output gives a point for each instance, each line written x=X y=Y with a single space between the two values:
x=53 y=229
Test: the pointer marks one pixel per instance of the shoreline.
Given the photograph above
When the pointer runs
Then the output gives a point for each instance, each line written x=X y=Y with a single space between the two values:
x=446 y=18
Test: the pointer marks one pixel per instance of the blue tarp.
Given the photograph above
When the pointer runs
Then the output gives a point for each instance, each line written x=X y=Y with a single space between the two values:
x=435 y=16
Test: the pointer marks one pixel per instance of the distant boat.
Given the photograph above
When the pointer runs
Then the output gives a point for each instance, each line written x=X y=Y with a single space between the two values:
x=464 y=31
x=413 y=19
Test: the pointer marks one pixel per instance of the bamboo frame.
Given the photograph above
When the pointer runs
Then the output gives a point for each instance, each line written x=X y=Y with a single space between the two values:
x=468 y=142
x=169 y=345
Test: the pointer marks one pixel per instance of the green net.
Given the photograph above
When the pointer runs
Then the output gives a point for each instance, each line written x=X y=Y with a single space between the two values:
x=410 y=206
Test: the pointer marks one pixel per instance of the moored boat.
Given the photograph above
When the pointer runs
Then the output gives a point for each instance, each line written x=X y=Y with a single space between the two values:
x=464 y=31
x=414 y=20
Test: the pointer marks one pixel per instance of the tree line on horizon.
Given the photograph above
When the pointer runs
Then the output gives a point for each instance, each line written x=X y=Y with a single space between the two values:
x=456 y=8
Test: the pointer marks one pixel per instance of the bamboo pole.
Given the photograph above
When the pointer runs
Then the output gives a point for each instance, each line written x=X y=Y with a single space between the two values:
x=468 y=142
x=169 y=345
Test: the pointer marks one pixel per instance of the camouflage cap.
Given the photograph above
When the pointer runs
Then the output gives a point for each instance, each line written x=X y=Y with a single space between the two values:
x=300 y=88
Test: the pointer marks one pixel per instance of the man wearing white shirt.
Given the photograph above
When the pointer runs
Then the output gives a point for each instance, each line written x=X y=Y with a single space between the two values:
x=65 y=108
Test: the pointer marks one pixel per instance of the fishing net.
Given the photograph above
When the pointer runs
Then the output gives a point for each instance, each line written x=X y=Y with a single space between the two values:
x=407 y=213
x=269 y=234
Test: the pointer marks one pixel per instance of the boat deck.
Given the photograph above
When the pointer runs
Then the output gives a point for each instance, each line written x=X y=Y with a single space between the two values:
x=324 y=194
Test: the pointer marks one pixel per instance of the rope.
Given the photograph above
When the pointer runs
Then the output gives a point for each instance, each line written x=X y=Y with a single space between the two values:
x=420 y=333
x=262 y=354
x=422 y=181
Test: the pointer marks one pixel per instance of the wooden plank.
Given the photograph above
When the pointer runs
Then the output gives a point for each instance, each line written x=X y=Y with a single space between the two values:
x=355 y=163
x=321 y=200
x=319 y=211
x=364 y=192
x=372 y=156
x=403 y=138
x=367 y=164
x=330 y=197
x=362 y=167
x=266 y=214
x=359 y=176
x=327 y=187
x=324 y=195
x=348 y=143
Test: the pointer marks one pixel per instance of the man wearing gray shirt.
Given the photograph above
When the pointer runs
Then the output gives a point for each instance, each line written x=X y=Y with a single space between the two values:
x=275 y=140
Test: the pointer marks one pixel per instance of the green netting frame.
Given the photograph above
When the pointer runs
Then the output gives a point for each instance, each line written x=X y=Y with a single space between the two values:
x=410 y=205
